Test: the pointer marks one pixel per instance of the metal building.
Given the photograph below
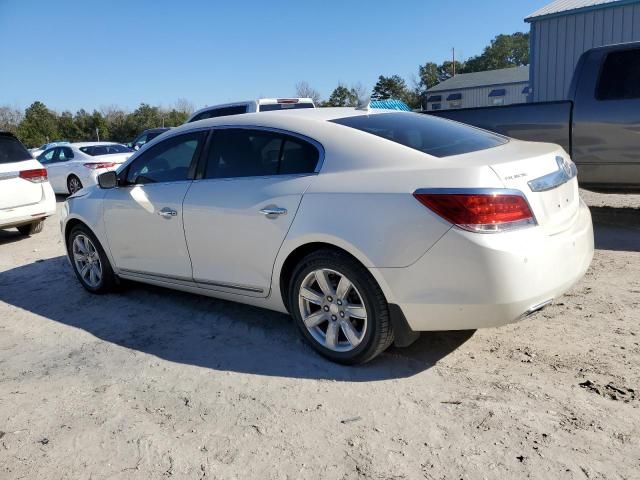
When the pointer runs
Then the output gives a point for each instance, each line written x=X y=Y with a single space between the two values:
x=564 y=29
x=480 y=89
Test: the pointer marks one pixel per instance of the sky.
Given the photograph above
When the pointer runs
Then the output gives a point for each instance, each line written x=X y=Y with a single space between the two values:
x=73 y=54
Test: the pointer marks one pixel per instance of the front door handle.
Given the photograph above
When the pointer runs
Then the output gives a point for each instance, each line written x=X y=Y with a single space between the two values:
x=167 y=212
x=272 y=212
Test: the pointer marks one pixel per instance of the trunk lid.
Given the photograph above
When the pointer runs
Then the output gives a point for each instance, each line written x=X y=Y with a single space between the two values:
x=15 y=191
x=544 y=173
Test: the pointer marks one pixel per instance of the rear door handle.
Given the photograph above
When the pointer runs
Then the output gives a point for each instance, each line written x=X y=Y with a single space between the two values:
x=272 y=212
x=167 y=212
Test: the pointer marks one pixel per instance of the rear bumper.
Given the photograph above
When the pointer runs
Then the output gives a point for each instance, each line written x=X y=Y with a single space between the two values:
x=14 y=217
x=469 y=280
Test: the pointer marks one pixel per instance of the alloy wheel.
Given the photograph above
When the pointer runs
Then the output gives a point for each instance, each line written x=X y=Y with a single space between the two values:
x=87 y=260
x=332 y=310
x=74 y=185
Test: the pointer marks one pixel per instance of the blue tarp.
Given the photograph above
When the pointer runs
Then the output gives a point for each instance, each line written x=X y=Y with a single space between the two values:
x=390 y=104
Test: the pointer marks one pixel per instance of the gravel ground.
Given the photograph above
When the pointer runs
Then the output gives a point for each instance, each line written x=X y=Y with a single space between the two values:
x=151 y=383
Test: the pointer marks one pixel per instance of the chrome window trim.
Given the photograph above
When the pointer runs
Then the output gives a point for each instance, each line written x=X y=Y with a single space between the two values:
x=567 y=170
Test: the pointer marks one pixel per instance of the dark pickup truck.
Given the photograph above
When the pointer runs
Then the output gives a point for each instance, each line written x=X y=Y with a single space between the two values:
x=599 y=126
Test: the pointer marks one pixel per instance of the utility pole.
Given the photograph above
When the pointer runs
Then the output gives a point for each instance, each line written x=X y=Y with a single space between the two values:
x=98 y=133
x=453 y=60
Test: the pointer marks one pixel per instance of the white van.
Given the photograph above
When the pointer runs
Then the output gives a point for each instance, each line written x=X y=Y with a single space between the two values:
x=260 y=105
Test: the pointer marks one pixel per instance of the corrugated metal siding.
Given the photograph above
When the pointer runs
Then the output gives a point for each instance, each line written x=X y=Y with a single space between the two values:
x=479 y=97
x=559 y=42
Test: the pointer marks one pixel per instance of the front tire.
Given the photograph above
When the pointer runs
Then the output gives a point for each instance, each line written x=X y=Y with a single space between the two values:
x=339 y=308
x=73 y=184
x=31 y=228
x=89 y=261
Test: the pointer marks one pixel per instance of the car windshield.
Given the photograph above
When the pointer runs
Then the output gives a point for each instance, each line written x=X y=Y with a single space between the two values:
x=96 y=150
x=269 y=107
x=431 y=135
x=11 y=150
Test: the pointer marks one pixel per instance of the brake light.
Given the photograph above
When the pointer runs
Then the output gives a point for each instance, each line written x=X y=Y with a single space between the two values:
x=36 y=175
x=95 y=166
x=478 y=211
x=287 y=100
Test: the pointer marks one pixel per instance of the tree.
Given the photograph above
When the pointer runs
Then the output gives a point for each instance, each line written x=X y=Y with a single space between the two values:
x=342 y=97
x=429 y=74
x=304 y=90
x=67 y=127
x=10 y=118
x=91 y=126
x=38 y=126
x=389 y=87
x=504 y=51
x=395 y=87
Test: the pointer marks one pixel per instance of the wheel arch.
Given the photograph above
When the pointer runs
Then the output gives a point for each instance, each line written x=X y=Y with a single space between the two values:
x=298 y=253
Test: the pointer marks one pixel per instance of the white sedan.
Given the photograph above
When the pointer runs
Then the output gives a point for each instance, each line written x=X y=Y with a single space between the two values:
x=366 y=226
x=76 y=165
x=26 y=197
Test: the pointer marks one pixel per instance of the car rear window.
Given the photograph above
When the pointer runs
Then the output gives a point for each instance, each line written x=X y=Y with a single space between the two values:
x=269 y=107
x=220 y=112
x=11 y=150
x=432 y=135
x=98 y=150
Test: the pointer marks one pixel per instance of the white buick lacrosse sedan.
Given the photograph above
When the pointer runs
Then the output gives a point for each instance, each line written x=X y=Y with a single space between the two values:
x=366 y=226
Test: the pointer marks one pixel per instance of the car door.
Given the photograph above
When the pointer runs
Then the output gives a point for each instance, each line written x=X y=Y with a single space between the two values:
x=606 y=119
x=56 y=169
x=143 y=216
x=240 y=207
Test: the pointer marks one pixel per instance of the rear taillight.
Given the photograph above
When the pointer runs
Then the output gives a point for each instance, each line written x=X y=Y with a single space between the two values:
x=287 y=100
x=479 y=210
x=36 y=175
x=95 y=166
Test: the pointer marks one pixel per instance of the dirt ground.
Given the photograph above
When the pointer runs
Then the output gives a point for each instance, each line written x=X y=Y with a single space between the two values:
x=150 y=383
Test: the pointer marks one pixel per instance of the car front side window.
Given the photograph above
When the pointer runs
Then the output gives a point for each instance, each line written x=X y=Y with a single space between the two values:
x=48 y=156
x=169 y=161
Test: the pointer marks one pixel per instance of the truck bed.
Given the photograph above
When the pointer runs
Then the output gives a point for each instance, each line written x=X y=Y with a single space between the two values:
x=538 y=122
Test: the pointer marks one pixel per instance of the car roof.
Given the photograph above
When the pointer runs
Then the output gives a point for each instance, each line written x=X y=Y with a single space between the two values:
x=156 y=129
x=92 y=144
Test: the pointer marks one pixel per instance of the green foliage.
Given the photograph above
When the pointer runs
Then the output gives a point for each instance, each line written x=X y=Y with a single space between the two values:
x=342 y=97
x=38 y=126
x=504 y=51
x=41 y=125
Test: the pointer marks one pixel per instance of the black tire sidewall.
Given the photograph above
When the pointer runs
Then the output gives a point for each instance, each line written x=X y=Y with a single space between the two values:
x=362 y=282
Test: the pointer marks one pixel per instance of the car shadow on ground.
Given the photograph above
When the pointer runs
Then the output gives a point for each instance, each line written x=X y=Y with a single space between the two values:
x=10 y=235
x=197 y=330
x=616 y=228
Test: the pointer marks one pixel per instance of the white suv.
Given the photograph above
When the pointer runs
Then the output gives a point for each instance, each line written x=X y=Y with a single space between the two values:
x=26 y=197
x=260 y=105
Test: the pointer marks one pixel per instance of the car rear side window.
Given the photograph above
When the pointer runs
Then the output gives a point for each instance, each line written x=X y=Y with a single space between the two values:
x=11 y=150
x=220 y=112
x=168 y=161
x=432 y=135
x=620 y=76
x=237 y=152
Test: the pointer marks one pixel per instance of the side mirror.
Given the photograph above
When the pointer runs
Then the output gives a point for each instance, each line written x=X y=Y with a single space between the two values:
x=108 y=180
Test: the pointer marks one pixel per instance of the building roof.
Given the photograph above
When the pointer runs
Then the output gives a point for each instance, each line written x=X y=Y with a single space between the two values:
x=564 y=7
x=483 y=79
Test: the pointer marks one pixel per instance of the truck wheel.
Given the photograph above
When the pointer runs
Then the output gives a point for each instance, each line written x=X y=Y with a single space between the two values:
x=31 y=228
x=339 y=308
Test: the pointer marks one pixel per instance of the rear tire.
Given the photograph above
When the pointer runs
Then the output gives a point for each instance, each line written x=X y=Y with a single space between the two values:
x=89 y=261
x=73 y=184
x=344 y=316
x=31 y=228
